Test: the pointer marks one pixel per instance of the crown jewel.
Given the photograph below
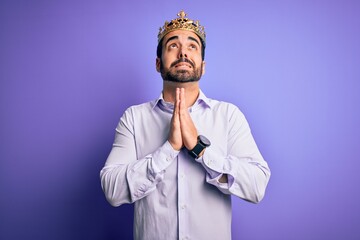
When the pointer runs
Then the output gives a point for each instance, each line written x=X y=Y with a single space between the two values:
x=182 y=23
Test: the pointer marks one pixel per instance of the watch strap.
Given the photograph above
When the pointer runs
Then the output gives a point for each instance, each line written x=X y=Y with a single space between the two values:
x=195 y=152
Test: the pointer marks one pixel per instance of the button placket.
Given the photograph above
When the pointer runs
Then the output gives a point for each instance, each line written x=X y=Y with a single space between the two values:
x=182 y=197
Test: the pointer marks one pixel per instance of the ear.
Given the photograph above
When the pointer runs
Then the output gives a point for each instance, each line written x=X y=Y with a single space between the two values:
x=203 y=67
x=158 y=62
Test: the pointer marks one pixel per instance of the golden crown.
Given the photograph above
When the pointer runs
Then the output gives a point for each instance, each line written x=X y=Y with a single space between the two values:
x=182 y=23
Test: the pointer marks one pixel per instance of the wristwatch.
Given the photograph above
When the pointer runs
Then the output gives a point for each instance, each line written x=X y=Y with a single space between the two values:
x=202 y=143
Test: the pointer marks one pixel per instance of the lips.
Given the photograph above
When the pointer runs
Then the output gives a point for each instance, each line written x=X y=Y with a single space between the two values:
x=182 y=65
x=183 y=62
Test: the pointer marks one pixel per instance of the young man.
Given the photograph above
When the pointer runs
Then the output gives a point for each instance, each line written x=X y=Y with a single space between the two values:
x=180 y=157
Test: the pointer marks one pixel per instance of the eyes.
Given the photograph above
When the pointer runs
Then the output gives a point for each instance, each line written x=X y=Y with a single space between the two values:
x=191 y=46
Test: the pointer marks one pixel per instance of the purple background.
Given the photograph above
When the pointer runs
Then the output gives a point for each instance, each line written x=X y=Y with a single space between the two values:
x=68 y=70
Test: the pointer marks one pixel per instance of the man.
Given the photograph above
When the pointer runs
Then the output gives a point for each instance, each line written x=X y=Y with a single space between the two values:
x=180 y=157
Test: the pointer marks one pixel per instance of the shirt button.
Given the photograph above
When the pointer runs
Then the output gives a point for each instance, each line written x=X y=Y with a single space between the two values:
x=183 y=207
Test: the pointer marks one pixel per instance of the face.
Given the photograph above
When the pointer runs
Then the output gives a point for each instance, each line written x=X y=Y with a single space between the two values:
x=181 y=59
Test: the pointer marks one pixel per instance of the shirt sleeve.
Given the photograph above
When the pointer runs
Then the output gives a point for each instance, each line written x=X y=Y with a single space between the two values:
x=247 y=171
x=126 y=179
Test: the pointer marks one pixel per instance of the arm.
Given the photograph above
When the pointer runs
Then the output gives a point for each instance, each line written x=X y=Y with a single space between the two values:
x=126 y=179
x=243 y=172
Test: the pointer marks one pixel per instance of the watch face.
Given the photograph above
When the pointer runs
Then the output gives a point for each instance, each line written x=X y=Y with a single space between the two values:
x=204 y=140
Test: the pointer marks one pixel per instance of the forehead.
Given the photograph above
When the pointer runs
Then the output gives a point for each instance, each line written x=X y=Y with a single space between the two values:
x=182 y=35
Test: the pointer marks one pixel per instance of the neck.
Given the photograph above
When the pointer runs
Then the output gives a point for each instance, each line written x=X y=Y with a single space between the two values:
x=191 y=91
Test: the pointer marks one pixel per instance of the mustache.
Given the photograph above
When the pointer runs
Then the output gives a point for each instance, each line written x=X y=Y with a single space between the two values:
x=183 y=60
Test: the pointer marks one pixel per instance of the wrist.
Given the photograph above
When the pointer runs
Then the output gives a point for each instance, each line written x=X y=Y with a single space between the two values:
x=175 y=146
x=201 y=153
x=192 y=144
x=198 y=150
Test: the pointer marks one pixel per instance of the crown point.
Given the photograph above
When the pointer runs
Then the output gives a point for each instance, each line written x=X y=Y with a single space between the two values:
x=182 y=14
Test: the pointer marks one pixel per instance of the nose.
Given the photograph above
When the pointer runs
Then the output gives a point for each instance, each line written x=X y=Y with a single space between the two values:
x=182 y=53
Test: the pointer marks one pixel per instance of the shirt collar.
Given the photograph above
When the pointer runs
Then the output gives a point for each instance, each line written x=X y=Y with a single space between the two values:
x=201 y=102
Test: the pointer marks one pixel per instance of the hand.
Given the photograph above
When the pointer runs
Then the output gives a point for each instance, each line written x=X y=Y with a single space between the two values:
x=175 y=138
x=188 y=130
x=182 y=129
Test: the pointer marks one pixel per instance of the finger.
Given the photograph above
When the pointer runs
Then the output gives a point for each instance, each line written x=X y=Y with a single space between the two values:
x=182 y=100
x=175 y=138
x=177 y=101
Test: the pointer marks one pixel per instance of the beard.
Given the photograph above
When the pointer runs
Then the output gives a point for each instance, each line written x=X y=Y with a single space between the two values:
x=181 y=76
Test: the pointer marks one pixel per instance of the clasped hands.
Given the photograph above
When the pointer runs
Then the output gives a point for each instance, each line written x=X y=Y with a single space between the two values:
x=182 y=129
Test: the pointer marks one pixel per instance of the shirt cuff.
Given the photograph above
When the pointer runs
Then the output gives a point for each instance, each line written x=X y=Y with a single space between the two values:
x=163 y=157
x=213 y=173
x=213 y=163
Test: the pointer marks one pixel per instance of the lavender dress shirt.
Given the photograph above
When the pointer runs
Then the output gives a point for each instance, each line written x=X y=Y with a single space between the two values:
x=175 y=196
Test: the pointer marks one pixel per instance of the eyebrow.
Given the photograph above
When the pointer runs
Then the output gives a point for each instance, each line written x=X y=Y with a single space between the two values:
x=176 y=37
x=195 y=40
x=171 y=38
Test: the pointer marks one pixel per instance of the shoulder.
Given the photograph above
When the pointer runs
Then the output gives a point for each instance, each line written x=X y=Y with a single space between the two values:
x=141 y=107
x=224 y=107
x=137 y=109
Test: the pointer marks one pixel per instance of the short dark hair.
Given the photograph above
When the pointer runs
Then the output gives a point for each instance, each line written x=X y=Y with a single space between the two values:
x=159 y=49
